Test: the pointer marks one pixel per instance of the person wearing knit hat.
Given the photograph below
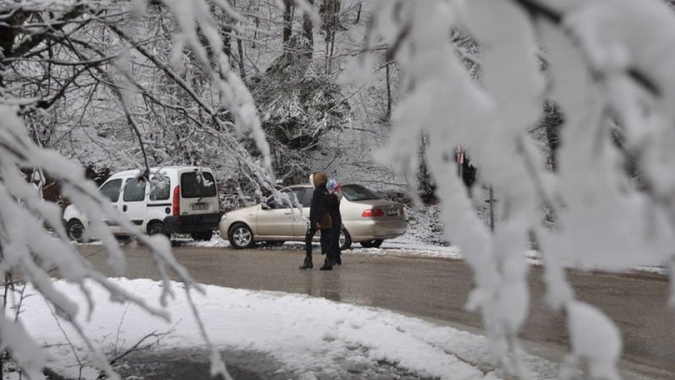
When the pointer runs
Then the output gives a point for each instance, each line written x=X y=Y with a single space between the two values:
x=333 y=207
x=319 y=219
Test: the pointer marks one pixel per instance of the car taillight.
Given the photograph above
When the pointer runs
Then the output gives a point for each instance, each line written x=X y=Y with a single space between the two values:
x=372 y=213
x=175 y=205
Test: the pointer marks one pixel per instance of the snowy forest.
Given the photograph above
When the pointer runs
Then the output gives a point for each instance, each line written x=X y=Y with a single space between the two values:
x=564 y=109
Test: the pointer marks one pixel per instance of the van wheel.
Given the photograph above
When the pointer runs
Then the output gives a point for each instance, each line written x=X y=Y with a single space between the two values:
x=156 y=228
x=75 y=230
x=345 y=239
x=202 y=236
x=376 y=243
x=241 y=236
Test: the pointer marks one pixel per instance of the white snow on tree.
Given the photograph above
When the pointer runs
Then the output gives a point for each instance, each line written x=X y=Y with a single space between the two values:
x=609 y=66
x=610 y=63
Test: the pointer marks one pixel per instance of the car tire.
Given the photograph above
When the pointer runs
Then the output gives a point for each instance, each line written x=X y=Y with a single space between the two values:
x=75 y=230
x=202 y=236
x=345 y=239
x=155 y=228
x=376 y=243
x=241 y=236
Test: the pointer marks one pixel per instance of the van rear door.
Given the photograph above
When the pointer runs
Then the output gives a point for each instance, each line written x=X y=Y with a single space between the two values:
x=198 y=193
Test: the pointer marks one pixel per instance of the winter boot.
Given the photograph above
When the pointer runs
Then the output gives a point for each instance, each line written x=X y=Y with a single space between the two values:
x=307 y=264
x=326 y=265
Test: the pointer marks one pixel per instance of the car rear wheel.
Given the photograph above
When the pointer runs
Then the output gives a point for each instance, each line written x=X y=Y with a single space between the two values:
x=202 y=236
x=345 y=239
x=372 y=243
x=75 y=230
x=241 y=236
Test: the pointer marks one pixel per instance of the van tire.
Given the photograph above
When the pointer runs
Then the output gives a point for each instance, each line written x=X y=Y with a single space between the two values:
x=155 y=228
x=202 y=236
x=75 y=230
x=241 y=236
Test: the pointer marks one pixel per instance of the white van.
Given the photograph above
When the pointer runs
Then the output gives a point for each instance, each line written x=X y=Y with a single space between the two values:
x=176 y=199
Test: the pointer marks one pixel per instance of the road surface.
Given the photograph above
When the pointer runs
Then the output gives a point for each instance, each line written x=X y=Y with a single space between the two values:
x=437 y=289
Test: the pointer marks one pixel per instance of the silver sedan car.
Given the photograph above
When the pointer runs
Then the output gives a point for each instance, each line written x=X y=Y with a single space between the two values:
x=366 y=219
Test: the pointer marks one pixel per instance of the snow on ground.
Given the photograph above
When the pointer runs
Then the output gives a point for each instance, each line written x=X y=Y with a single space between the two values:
x=311 y=338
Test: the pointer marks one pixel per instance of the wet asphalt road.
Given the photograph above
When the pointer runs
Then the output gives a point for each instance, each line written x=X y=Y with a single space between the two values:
x=437 y=289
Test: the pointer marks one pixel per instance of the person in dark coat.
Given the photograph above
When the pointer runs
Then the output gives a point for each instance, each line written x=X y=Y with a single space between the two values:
x=319 y=220
x=333 y=205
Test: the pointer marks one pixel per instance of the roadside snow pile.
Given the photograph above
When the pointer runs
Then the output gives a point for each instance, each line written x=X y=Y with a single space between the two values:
x=310 y=337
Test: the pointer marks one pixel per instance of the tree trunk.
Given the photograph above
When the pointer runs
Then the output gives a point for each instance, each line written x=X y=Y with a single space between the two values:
x=240 y=49
x=358 y=14
x=288 y=20
x=553 y=121
x=329 y=15
x=308 y=33
x=8 y=34
x=388 y=116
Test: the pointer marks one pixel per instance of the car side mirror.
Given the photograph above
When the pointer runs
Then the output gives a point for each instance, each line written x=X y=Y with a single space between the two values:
x=265 y=206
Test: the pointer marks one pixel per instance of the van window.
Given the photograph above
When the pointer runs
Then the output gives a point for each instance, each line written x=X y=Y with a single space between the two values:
x=111 y=189
x=160 y=188
x=194 y=185
x=134 y=190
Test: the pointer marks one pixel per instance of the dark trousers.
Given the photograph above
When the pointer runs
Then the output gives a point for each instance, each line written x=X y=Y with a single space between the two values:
x=311 y=231
x=335 y=244
x=326 y=239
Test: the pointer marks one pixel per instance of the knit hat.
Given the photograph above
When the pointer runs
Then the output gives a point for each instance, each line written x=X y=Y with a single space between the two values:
x=332 y=184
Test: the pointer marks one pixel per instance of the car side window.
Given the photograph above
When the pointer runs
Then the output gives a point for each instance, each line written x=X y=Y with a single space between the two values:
x=292 y=194
x=111 y=189
x=298 y=194
x=134 y=190
x=307 y=198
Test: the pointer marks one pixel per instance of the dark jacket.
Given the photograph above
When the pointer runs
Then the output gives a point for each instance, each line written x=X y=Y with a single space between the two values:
x=333 y=207
x=318 y=208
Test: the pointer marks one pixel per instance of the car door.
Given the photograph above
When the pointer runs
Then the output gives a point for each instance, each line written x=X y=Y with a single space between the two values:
x=300 y=224
x=275 y=217
x=133 y=202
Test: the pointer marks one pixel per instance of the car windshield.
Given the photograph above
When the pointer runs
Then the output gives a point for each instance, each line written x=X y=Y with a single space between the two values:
x=358 y=193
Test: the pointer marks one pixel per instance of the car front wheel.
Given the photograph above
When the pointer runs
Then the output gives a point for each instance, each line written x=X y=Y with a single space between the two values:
x=75 y=230
x=376 y=243
x=241 y=236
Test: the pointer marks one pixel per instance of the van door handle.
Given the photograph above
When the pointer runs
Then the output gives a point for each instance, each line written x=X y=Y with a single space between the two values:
x=124 y=208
